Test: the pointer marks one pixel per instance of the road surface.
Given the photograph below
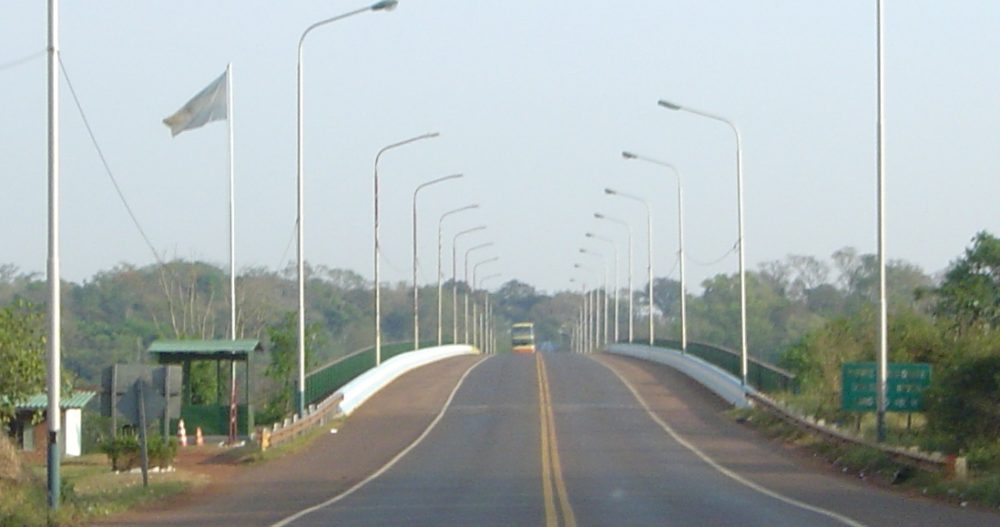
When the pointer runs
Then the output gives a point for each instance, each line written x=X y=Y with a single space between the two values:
x=562 y=439
x=553 y=439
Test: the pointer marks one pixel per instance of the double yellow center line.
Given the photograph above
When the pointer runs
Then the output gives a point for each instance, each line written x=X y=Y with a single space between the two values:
x=551 y=466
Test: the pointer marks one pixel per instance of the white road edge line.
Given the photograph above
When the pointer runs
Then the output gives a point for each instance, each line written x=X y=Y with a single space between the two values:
x=723 y=470
x=288 y=520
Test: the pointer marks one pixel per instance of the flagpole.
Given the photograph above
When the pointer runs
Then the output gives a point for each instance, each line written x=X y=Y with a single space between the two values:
x=54 y=378
x=232 y=253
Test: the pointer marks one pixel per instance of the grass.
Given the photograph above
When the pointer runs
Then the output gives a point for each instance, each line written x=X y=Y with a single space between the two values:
x=89 y=490
x=982 y=487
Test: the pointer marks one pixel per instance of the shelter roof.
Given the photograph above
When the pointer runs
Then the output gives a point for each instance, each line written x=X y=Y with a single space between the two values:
x=168 y=351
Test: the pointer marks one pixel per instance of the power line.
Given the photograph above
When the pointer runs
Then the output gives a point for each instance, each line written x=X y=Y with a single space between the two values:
x=23 y=60
x=107 y=167
x=719 y=259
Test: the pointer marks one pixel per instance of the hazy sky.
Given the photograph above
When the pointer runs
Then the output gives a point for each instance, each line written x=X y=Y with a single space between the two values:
x=534 y=102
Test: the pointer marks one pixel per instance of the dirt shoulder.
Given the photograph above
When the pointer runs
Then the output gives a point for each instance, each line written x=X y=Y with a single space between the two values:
x=263 y=493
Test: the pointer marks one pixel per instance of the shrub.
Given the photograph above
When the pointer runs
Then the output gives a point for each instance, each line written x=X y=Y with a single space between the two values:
x=964 y=400
x=125 y=451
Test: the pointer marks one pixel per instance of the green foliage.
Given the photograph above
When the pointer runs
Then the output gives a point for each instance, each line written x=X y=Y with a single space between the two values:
x=22 y=352
x=969 y=297
x=125 y=451
x=283 y=348
x=965 y=399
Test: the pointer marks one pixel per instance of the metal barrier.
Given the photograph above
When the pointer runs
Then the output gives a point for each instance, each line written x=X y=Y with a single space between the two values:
x=935 y=462
x=761 y=375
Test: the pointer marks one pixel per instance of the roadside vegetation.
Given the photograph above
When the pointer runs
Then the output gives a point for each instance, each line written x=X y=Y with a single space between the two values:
x=954 y=326
x=806 y=314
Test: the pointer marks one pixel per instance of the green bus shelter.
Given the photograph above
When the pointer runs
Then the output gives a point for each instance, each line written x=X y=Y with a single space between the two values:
x=212 y=418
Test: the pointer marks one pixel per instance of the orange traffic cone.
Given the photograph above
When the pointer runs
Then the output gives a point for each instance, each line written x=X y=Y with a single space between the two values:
x=181 y=433
x=198 y=439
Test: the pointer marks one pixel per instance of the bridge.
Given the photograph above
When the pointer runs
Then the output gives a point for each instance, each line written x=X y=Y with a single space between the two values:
x=550 y=439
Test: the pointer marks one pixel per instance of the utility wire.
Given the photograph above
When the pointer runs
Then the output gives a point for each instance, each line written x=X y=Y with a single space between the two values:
x=107 y=168
x=719 y=259
x=288 y=246
x=17 y=62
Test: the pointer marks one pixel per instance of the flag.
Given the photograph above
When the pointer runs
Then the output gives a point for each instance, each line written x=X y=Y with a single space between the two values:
x=209 y=105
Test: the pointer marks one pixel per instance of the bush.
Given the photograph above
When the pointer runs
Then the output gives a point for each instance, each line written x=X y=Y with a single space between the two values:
x=964 y=400
x=125 y=451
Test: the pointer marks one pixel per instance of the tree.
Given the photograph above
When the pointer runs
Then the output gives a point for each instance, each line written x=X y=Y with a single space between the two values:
x=970 y=293
x=283 y=349
x=22 y=352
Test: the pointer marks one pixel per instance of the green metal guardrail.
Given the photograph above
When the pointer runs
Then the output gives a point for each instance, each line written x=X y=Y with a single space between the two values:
x=323 y=381
x=761 y=375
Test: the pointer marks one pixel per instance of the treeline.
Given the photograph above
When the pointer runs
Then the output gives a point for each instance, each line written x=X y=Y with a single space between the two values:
x=804 y=313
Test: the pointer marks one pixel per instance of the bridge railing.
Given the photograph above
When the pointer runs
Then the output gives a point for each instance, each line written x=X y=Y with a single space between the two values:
x=761 y=375
x=324 y=380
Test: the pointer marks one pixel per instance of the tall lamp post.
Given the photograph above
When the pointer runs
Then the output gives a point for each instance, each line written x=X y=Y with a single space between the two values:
x=604 y=270
x=595 y=311
x=740 y=243
x=584 y=317
x=680 y=237
x=440 y=300
x=614 y=247
x=416 y=287
x=475 y=286
x=469 y=284
x=883 y=320
x=649 y=251
x=454 y=280
x=378 y=247
x=600 y=216
x=384 y=5
x=488 y=315
x=54 y=330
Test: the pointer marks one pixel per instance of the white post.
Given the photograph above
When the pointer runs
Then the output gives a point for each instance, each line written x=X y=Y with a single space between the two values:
x=649 y=268
x=883 y=338
x=232 y=251
x=454 y=278
x=741 y=242
x=55 y=307
x=416 y=288
x=383 y=5
x=680 y=237
x=378 y=293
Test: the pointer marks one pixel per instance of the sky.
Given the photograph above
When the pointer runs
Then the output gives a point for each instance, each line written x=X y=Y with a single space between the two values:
x=534 y=101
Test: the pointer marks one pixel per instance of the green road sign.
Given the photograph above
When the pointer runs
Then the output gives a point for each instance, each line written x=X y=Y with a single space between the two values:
x=905 y=388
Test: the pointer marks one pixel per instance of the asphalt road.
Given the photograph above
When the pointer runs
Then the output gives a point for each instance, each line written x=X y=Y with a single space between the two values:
x=551 y=439
x=561 y=439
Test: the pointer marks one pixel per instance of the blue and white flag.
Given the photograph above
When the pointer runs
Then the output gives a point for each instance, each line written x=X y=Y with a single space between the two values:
x=209 y=105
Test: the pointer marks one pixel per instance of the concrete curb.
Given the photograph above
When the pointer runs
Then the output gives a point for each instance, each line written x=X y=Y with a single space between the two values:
x=719 y=381
x=359 y=390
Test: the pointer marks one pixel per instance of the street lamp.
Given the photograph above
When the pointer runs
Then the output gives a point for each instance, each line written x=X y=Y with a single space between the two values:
x=883 y=320
x=454 y=280
x=584 y=316
x=649 y=252
x=680 y=237
x=488 y=315
x=614 y=246
x=416 y=288
x=600 y=216
x=475 y=286
x=440 y=302
x=604 y=268
x=469 y=284
x=384 y=5
x=595 y=312
x=739 y=207
x=378 y=296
